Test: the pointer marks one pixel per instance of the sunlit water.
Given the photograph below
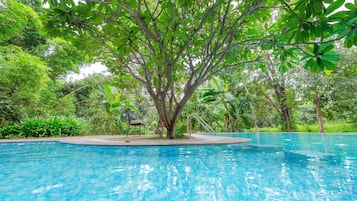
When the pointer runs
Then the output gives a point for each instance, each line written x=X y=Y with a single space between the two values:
x=278 y=167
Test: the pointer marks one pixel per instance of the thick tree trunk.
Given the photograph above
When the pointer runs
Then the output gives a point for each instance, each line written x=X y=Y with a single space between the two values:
x=170 y=131
x=284 y=109
x=286 y=117
x=318 y=112
x=169 y=109
x=167 y=117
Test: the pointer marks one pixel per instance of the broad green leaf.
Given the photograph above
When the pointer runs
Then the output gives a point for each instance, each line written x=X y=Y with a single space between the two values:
x=108 y=92
x=338 y=16
x=349 y=41
x=115 y=105
x=333 y=6
x=328 y=64
x=326 y=47
x=331 y=56
x=352 y=21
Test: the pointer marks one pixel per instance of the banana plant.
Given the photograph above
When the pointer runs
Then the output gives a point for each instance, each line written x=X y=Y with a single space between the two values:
x=232 y=106
x=115 y=102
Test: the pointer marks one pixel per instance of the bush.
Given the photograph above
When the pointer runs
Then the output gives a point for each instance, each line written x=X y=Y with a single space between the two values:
x=33 y=128
x=10 y=131
x=54 y=127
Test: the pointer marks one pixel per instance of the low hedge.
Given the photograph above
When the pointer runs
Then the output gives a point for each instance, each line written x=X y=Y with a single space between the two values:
x=52 y=127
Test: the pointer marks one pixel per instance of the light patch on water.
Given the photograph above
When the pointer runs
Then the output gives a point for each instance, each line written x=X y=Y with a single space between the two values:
x=271 y=193
x=145 y=169
x=145 y=185
x=187 y=169
x=117 y=190
x=46 y=188
x=118 y=169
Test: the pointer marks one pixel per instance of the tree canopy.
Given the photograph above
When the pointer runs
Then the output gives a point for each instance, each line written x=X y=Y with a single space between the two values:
x=14 y=17
x=172 y=47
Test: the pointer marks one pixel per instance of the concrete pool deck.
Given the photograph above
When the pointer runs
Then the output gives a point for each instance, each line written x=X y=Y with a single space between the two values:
x=143 y=140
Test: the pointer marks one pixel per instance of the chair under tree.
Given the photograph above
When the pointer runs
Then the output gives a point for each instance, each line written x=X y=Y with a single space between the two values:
x=133 y=121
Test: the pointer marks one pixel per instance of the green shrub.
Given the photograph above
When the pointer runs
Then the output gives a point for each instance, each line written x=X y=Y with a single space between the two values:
x=64 y=127
x=10 y=131
x=53 y=127
x=341 y=127
x=307 y=128
x=329 y=127
x=33 y=128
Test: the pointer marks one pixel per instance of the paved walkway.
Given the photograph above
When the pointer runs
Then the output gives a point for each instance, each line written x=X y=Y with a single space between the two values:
x=146 y=140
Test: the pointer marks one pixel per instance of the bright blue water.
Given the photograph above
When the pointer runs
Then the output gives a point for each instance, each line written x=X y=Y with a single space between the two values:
x=278 y=167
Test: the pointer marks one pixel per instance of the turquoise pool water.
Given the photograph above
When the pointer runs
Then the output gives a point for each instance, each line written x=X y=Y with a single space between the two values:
x=275 y=167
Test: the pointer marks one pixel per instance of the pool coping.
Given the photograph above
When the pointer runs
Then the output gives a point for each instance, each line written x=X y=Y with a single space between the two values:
x=143 y=140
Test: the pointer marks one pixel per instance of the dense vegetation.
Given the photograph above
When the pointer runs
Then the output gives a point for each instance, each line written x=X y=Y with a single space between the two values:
x=171 y=60
x=53 y=127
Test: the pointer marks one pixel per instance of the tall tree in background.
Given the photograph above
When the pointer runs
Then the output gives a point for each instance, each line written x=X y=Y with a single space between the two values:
x=14 y=18
x=332 y=91
x=277 y=81
x=30 y=64
x=172 y=47
x=22 y=79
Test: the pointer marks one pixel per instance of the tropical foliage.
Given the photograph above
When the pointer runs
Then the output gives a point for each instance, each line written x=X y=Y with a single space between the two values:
x=54 y=127
x=174 y=47
x=240 y=65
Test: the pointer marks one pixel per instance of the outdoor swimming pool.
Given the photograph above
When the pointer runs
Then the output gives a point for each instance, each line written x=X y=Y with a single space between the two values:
x=275 y=167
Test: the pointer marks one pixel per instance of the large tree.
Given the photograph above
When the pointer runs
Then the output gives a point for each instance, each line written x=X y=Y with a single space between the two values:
x=23 y=77
x=172 y=47
x=278 y=82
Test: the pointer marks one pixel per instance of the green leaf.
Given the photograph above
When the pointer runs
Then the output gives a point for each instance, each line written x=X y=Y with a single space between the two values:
x=352 y=21
x=348 y=42
x=283 y=68
x=349 y=6
x=328 y=64
x=267 y=46
x=305 y=57
x=263 y=67
x=215 y=83
x=333 y=6
x=108 y=92
x=326 y=47
x=312 y=65
x=317 y=7
x=331 y=57
x=117 y=111
x=115 y=105
x=337 y=16
x=147 y=13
